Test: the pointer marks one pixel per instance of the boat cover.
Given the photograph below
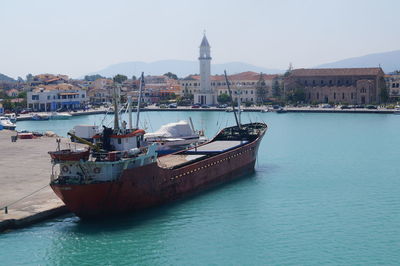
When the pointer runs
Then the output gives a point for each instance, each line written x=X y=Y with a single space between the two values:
x=172 y=130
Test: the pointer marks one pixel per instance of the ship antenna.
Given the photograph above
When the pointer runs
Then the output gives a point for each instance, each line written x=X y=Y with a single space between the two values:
x=139 y=99
x=233 y=104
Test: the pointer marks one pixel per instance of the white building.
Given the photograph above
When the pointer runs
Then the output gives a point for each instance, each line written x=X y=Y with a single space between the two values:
x=393 y=85
x=243 y=84
x=52 y=97
x=205 y=95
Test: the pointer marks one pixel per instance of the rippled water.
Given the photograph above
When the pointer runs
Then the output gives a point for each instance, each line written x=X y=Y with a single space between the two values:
x=325 y=191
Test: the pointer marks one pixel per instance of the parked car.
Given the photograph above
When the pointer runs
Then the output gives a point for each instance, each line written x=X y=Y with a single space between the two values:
x=327 y=106
x=205 y=106
x=195 y=106
x=162 y=106
x=344 y=107
x=172 y=105
x=222 y=106
x=372 y=107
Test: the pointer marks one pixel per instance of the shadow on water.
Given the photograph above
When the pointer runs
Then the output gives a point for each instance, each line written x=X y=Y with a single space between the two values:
x=154 y=214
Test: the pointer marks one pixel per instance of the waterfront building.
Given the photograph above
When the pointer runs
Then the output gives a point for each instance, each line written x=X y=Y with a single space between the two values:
x=156 y=89
x=205 y=94
x=99 y=95
x=55 y=96
x=393 y=86
x=337 y=85
x=243 y=85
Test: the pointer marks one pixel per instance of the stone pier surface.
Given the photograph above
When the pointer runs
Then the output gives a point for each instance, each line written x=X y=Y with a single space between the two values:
x=25 y=168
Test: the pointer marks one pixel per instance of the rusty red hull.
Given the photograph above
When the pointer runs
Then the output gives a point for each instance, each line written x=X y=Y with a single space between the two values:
x=150 y=185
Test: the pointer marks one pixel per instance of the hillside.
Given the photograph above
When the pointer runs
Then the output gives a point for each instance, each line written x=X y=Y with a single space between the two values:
x=179 y=67
x=389 y=61
x=6 y=78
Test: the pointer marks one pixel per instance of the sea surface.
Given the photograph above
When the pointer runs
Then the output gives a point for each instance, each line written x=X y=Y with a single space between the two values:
x=326 y=191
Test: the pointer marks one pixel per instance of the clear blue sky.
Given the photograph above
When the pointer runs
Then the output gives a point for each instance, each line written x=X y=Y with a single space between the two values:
x=76 y=37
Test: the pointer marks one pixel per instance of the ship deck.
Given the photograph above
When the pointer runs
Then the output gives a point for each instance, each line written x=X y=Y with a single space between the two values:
x=198 y=153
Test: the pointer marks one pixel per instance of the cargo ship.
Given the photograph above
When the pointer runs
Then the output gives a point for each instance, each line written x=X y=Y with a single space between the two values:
x=124 y=177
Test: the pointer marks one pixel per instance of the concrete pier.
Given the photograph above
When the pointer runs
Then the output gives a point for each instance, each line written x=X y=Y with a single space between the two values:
x=25 y=169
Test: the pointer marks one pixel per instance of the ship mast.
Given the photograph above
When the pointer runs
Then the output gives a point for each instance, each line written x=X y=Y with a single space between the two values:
x=116 y=122
x=130 y=111
x=139 y=99
x=233 y=104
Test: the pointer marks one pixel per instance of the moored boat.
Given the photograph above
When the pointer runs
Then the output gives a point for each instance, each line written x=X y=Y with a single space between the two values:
x=229 y=155
x=119 y=179
x=60 y=116
x=12 y=117
x=40 y=117
x=6 y=123
x=174 y=137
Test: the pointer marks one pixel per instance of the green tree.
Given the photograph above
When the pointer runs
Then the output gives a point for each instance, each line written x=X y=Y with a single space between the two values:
x=296 y=95
x=93 y=77
x=223 y=98
x=29 y=78
x=261 y=89
x=289 y=70
x=134 y=77
x=172 y=96
x=384 y=94
x=276 y=89
x=120 y=78
x=7 y=104
x=171 y=75
x=22 y=94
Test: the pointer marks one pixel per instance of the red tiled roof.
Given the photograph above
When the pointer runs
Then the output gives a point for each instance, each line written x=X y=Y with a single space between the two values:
x=53 y=79
x=372 y=71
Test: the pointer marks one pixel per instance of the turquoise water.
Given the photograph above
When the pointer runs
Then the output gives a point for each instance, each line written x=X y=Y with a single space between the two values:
x=326 y=191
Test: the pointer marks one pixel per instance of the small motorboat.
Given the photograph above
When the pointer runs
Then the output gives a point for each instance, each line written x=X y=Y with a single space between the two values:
x=281 y=111
x=6 y=123
x=174 y=137
x=40 y=117
x=60 y=116
x=12 y=117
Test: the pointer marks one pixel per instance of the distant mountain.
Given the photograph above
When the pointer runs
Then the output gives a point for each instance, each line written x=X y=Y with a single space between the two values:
x=179 y=67
x=6 y=78
x=389 y=61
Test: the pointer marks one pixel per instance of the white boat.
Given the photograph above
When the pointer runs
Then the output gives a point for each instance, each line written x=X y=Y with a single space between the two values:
x=174 y=137
x=60 y=116
x=397 y=111
x=6 y=123
x=40 y=117
x=12 y=117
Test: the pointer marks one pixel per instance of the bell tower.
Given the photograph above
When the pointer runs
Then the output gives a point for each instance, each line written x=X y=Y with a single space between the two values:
x=205 y=94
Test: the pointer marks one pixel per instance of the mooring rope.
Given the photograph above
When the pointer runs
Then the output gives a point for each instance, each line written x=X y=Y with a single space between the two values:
x=8 y=205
